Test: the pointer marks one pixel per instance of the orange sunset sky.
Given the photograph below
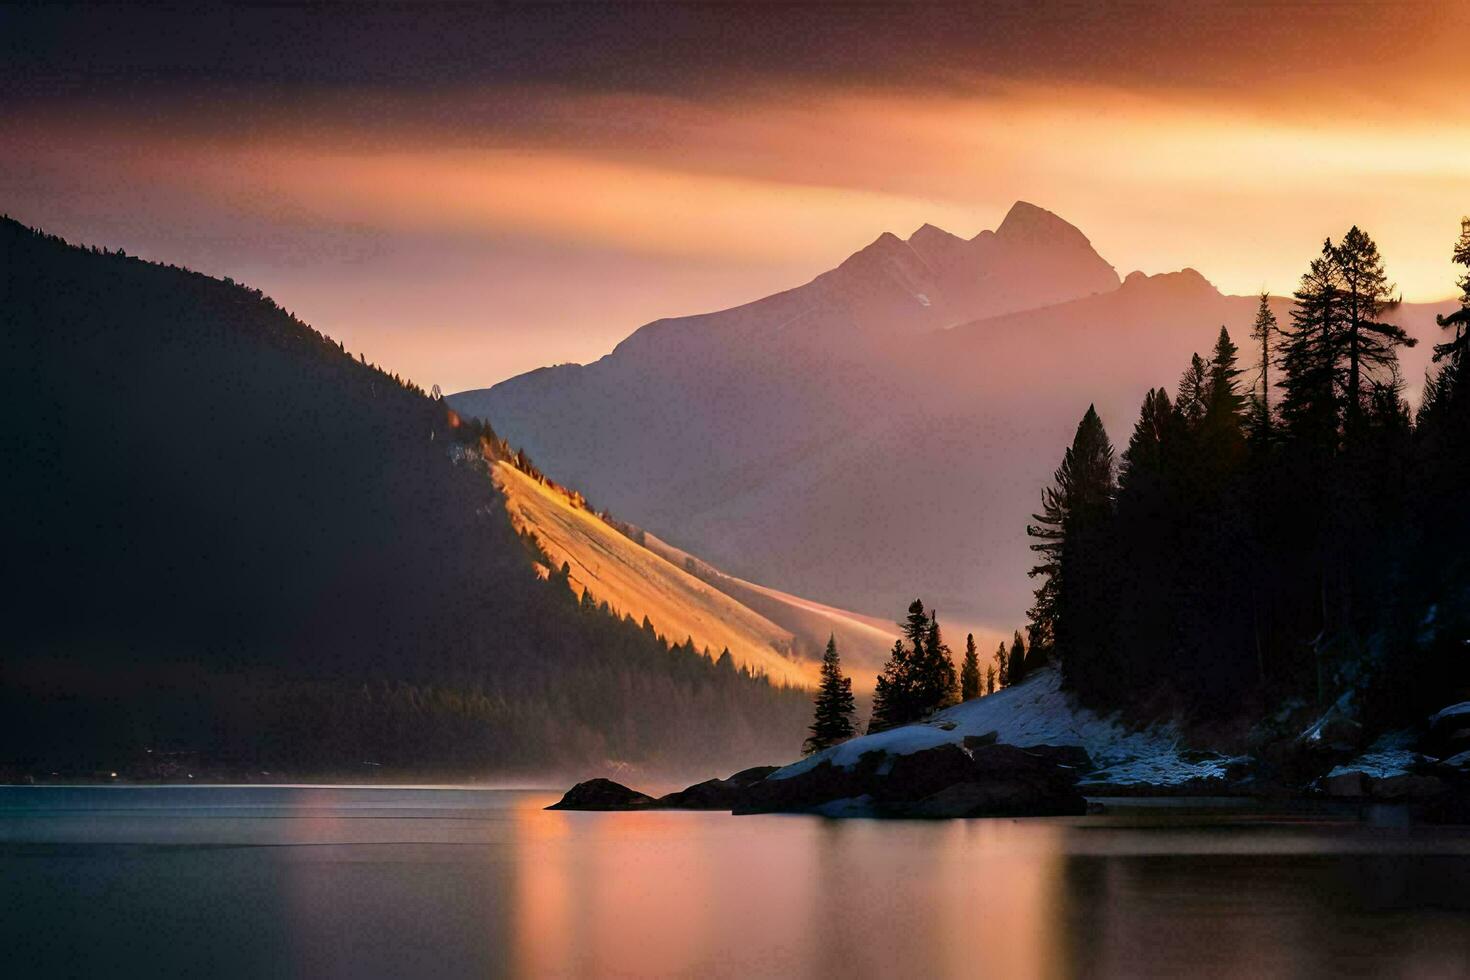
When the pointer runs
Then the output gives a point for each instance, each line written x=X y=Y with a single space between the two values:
x=465 y=193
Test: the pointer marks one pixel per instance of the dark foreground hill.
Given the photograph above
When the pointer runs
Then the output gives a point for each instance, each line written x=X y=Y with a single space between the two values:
x=231 y=541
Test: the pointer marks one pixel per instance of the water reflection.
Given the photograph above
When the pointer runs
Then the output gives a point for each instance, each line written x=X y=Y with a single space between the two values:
x=364 y=883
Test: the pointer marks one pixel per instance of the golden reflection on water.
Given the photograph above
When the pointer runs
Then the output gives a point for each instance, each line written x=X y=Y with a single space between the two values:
x=697 y=894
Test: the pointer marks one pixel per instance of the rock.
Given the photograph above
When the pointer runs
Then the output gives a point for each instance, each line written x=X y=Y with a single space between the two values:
x=1296 y=761
x=808 y=790
x=715 y=794
x=602 y=794
x=1407 y=787
x=1072 y=756
x=754 y=774
x=1448 y=732
x=1341 y=734
x=1346 y=784
x=920 y=774
x=1459 y=761
x=975 y=741
x=989 y=779
x=712 y=794
x=997 y=797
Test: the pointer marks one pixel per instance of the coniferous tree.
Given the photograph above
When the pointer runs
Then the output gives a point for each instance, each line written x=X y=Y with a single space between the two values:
x=1452 y=352
x=1193 y=399
x=970 y=679
x=891 y=699
x=1369 y=347
x=1002 y=667
x=1017 y=662
x=915 y=626
x=990 y=679
x=832 y=721
x=1310 y=408
x=937 y=683
x=1264 y=332
x=1223 y=400
x=1073 y=529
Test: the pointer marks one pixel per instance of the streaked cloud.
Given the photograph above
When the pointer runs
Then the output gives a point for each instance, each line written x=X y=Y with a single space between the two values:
x=529 y=184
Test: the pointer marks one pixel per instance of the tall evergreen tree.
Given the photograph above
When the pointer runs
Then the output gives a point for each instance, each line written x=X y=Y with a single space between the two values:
x=970 y=673
x=917 y=679
x=1223 y=400
x=834 y=707
x=936 y=683
x=891 y=699
x=1309 y=383
x=1369 y=346
x=1017 y=661
x=1265 y=332
x=1073 y=531
x=1193 y=399
x=1452 y=352
x=915 y=625
x=1002 y=668
x=990 y=679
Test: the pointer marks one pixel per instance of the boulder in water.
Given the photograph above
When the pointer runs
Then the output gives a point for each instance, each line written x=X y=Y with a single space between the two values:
x=602 y=794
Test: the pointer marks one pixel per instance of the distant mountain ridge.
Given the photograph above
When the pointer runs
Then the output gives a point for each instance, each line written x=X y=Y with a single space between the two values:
x=884 y=430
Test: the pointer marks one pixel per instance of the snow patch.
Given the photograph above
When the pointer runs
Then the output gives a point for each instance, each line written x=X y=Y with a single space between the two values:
x=1038 y=712
x=1391 y=755
x=1453 y=711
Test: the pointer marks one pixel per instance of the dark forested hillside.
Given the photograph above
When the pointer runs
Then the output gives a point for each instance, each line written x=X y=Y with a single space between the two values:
x=227 y=536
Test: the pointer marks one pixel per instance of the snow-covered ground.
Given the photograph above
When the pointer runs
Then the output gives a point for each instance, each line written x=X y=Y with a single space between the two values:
x=1391 y=755
x=1038 y=712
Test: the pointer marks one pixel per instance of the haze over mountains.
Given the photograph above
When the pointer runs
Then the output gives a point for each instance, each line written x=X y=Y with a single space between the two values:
x=884 y=430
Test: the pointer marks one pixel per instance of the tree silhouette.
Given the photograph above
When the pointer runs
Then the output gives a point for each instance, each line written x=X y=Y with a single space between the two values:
x=970 y=679
x=834 y=704
x=1265 y=331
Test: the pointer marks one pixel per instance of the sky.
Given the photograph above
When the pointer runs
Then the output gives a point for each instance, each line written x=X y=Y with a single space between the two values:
x=464 y=192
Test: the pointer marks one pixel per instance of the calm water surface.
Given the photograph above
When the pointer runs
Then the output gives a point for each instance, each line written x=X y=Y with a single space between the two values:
x=347 y=882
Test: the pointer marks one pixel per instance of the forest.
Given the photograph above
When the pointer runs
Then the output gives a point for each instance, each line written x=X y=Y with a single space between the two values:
x=1282 y=530
x=236 y=544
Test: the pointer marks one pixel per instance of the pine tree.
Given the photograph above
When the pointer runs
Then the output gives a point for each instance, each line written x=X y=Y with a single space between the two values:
x=1073 y=529
x=1369 y=346
x=917 y=680
x=916 y=625
x=1017 y=662
x=1002 y=668
x=891 y=701
x=834 y=707
x=1309 y=402
x=937 y=684
x=1193 y=399
x=1222 y=395
x=1451 y=381
x=1265 y=332
x=970 y=673
x=990 y=679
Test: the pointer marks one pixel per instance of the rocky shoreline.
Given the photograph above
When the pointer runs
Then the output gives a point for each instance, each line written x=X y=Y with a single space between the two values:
x=951 y=766
x=981 y=779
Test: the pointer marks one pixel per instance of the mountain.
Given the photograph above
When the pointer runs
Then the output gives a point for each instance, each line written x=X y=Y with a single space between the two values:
x=767 y=632
x=885 y=430
x=240 y=546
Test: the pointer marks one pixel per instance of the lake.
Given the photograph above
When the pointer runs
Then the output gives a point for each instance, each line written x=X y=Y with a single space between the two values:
x=402 y=882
